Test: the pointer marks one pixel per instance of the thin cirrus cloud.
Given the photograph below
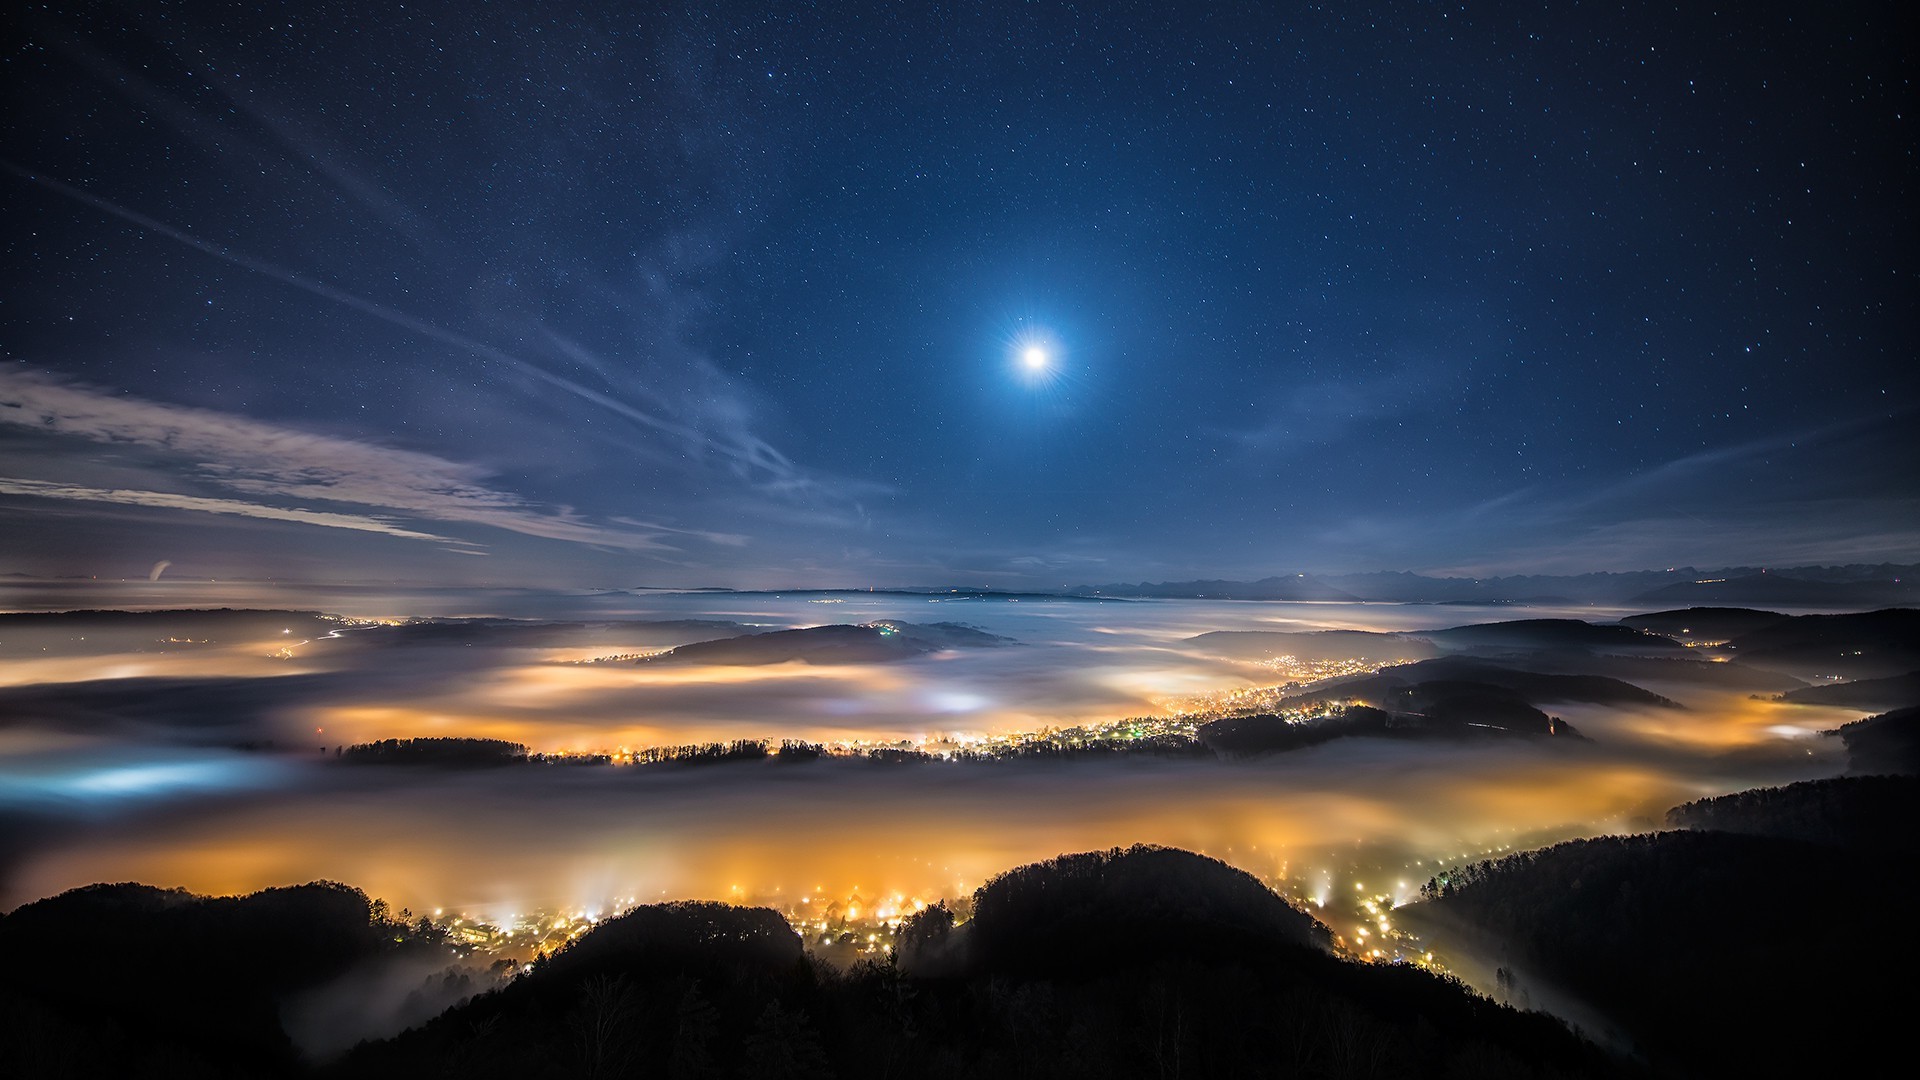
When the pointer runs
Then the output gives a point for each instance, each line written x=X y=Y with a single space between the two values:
x=268 y=462
x=716 y=426
x=168 y=500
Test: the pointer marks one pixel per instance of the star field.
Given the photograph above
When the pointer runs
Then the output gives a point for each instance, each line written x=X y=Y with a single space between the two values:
x=734 y=295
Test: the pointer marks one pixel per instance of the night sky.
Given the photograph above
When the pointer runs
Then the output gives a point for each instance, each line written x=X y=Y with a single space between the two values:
x=745 y=295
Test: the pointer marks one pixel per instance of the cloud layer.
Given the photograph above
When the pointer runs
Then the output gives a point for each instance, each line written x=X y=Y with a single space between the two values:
x=274 y=465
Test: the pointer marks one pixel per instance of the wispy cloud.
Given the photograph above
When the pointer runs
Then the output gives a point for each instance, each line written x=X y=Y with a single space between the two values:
x=643 y=360
x=710 y=421
x=282 y=464
x=703 y=436
x=168 y=500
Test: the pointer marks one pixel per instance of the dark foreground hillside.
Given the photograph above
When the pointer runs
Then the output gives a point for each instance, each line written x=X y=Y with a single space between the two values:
x=1140 y=963
x=1769 y=951
x=134 y=981
x=1147 y=962
x=1872 y=814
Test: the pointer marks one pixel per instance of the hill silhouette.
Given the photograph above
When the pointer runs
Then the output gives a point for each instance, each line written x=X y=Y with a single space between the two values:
x=837 y=644
x=1064 y=916
x=1888 y=743
x=1404 y=682
x=1891 y=692
x=1694 y=942
x=439 y=751
x=1704 y=623
x=126 y=980
x=113 y=631
x=1146 y=962
x=1312 y=645
x=538 y=633
x=1551 y=635
x=1863 y=645
x=1874 y=814
x=1279 y=587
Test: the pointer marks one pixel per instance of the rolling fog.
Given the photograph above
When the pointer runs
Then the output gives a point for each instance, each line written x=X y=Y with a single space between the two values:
x=121 y=758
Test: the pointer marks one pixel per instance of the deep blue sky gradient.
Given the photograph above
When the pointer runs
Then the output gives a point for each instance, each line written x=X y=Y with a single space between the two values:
x=733 y=294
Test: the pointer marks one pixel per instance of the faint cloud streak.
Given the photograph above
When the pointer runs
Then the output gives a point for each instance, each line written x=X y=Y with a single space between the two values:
x=267 y=461
x=167 y=500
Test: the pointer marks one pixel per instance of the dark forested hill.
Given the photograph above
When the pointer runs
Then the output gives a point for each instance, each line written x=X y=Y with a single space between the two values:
x=1549 y=635
x=130 y=980
x=1892 y=692
x=1875 y=814
x=1864 y=645
x=840 y=644
x=1716 y=954
x=1139 y=963
x=1532 y=687
x=1704 y=623
x=1888 y=743
x=1312 y=645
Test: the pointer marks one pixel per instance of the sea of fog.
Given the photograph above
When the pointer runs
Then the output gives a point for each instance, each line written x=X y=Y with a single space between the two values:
x=200 y=763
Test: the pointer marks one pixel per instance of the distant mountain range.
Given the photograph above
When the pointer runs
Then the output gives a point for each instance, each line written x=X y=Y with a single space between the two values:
x=1852 y=586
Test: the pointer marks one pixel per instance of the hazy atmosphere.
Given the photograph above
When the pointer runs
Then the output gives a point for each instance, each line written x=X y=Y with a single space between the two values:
x=1001 y=540
x=121 y=782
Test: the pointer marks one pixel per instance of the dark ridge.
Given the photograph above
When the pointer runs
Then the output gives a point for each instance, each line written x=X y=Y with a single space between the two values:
x=713 y=753
x=1062 y=918
x=837 y=644
x=1109 y=964
x=1537 y=688
x=124 y=980
x=153 y=631
x=1462 y=711
x=1291 y=587
x=1123 y=942
x=1450 y=703
x=677 y=937
x=445 y=752
x=1267 y=733
x=681 y=989
x=1892 y=692
x=214 y=707
x=534 y=633
x=794 y=751
x=1549 y=635
x=1475 y=694
x=1873 y=813
x=1312 y=645
x=1864 y=645
x=1704 y=623
x=1690 y=942
x=1679 y=668
x=928 y=592
x=1888 y=743
x=111 y=618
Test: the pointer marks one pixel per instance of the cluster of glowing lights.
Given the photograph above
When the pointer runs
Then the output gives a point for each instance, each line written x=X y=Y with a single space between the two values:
x=1247 y=701
x=853 y=925
x=1306 y=671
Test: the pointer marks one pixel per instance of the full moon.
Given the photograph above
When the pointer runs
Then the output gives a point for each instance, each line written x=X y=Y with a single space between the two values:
x=1035 y=358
